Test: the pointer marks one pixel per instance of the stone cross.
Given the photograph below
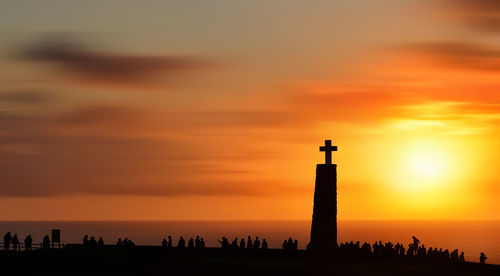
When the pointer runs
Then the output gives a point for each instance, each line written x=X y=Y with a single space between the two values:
x=328 y=148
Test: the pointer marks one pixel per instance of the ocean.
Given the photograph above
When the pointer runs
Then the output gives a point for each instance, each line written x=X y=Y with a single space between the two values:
x=472 y=237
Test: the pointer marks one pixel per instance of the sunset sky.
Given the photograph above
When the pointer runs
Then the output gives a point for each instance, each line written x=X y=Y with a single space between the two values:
x=143 y=110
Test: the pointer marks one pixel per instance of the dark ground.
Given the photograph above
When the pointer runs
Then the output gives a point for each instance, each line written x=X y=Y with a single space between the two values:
x=144 y=260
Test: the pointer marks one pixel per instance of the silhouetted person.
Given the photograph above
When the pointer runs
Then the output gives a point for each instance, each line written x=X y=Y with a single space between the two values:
x=242 y=243
x=284 y=245
x=119 y=242
x=164 y=243
x=46 y=242
x=454 y=256
x=202 y=243
x=234 y=244
x=462 y=257
x=28 y=241
x=446 y=255
x=100 y=243
x=182 y=243
x=6 y=241
x=264 y=244
x=169 y=244
x=249 y=242
x=224 y=243
x=86 y=240
x=197 y=242
x=296 y=244
x=15 y=243
x=92 y=241
x=482 y=258
x=126 y=242
x=415 y=242
x=411 y=250
x=191 y=243
x=256 y=243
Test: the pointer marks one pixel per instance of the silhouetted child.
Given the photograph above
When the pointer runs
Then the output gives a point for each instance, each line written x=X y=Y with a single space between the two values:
x=482 y=258
x=202 y=243
x=6 y=241
x=264 y=244
x=164 y=243
x=191 y=243
x=242 y=243
x=119 y=242
x=28 y=242
x=462 y=257
x=86 y=240
x=249 y=242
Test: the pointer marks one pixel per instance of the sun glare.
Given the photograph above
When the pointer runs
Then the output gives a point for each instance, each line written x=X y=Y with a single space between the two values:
x=423 y=166
x=428 y=165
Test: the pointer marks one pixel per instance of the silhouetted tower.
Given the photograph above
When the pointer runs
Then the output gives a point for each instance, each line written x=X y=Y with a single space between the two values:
x=324 y=220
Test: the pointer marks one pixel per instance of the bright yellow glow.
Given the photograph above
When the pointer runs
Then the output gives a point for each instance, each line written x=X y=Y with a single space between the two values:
x=426 y=164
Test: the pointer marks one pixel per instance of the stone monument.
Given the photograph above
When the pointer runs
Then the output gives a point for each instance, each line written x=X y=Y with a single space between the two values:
x=324 y=220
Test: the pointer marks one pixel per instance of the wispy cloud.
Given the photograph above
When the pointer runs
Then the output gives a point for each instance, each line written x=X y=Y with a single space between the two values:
x=482 y=14
x=109 y=67
x=462 y=55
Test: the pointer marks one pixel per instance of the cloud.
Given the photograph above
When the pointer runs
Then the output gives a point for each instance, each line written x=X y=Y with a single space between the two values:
x=25 y=97
x=459 y=54
x=121 y=150
x=356 y=105
x=91 y=65
x=482 y=14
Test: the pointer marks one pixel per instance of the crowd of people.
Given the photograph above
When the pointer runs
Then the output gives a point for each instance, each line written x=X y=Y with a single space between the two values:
x=414 y=249
x=290 y=244
x=8 y=239
x=192 y=243
x=126 y=242
x=91 y=242
x=240 y=243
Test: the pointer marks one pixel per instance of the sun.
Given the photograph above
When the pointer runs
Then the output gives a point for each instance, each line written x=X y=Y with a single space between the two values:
x=422 y=166
x=426 y=165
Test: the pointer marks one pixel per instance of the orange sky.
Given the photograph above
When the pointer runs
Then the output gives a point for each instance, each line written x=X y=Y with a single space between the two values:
x=217 y=109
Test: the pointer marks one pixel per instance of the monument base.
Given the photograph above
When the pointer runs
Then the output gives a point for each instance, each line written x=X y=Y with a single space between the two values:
x=324 y=221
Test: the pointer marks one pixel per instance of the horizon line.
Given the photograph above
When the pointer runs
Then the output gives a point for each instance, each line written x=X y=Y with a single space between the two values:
x=232 y=220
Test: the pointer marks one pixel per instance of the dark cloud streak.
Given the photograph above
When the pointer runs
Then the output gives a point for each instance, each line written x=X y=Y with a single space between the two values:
x=92 y=65
x=25 y=97
x=482 y=14
x=459 y=54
